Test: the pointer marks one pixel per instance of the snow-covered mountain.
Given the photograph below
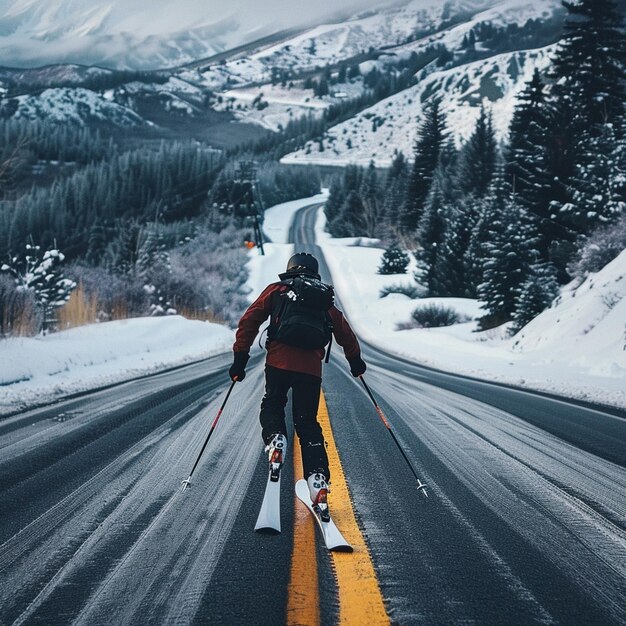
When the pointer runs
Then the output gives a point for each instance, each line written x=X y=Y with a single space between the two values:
x=141 y=34
x=268 y=83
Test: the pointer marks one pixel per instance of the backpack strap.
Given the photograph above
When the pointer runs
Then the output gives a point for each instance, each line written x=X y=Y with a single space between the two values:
x=278 y=307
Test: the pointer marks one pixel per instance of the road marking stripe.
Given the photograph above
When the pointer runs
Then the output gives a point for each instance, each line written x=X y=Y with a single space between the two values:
x=360 y=598
x=303 y=593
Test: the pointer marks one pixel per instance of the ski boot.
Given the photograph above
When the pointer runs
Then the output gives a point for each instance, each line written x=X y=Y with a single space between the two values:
x=318 y=489
x=276 y=449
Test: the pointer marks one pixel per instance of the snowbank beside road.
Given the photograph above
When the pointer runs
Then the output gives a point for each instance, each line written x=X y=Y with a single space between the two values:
x=41 y=369
x=575 y=348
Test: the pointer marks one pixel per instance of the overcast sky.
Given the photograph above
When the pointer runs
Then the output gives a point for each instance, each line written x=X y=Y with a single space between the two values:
x=283 y=11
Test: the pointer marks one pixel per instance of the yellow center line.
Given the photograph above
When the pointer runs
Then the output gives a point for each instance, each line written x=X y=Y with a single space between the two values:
x=360 y=598
x=303 y=608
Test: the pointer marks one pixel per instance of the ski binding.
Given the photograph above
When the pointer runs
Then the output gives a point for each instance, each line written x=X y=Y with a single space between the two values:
x=332 y=537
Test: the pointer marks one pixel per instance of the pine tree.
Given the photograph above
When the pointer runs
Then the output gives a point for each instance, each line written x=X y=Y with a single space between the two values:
x=588 y=67
x=394 y=194
x=97 y=243
x=587 y=98
x=41 y=274
x=447 y=277
x=430 y=139
x=477 y=160
x=430 y=237
x=350 y=222
x=536 y=294
x=508 y=257
x=537 y=162
x=369 y=194
x=486 y=210
x=446 y=172
x=527 y=153
x=336 y=198
x=598 y=188
x=394 y=260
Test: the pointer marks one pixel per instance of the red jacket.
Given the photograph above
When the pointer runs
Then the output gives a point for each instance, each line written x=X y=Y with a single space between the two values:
x=287 y=357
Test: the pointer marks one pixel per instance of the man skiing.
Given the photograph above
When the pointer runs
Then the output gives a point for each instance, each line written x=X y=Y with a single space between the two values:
x=294 y=361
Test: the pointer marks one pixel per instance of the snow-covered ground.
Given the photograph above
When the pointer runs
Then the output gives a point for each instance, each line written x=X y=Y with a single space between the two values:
x=576 y=348
x=42 y=369
x=273 y=106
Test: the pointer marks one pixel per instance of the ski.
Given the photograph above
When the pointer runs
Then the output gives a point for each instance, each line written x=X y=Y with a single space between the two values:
x=332 y=537
x=269 y=515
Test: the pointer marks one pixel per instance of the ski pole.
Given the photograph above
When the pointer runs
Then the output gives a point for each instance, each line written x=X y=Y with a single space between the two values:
x=187 y=482
x=420 y=485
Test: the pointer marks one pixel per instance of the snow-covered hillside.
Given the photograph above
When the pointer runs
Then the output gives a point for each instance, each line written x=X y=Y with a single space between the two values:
x=576 y=348
x=77 y=106
x=395 y=31
x=391 y=125
x=586 y=325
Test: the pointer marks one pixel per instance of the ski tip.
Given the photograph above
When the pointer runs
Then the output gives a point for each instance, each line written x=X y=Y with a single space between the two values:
x=267 y=530
x=342 y=548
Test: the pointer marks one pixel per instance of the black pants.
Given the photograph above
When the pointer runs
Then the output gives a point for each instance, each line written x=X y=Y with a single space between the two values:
x=305 y=399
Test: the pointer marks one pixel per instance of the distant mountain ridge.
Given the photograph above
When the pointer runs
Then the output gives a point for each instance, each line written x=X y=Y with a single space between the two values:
x=377 y=66
x=138 y=34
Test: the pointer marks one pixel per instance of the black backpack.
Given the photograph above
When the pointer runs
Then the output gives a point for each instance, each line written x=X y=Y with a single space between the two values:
x=300 y=316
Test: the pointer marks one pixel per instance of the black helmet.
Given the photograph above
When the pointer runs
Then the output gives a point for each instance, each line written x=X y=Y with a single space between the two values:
x=302 y=263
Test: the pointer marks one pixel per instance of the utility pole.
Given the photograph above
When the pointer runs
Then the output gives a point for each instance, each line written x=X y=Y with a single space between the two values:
x=247 y=177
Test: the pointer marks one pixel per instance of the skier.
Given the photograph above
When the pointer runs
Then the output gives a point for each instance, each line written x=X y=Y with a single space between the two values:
x=298 y=368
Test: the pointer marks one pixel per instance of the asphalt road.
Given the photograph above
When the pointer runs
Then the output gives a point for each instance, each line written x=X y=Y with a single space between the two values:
x=525 y=523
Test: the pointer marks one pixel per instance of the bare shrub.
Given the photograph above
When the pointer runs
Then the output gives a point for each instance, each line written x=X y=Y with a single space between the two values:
x=410 y=291
x=436 y=316
x=116 y=297
x=81 y=309
x=203 y=279
x=211 y=268
x=601 y=247
x=19 y=315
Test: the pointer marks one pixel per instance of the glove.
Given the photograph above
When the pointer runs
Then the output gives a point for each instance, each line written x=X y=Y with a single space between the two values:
x=357 y=366
x=238 y=368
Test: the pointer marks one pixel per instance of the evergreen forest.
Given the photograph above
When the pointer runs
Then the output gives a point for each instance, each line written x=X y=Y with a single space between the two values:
x=509 y=223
